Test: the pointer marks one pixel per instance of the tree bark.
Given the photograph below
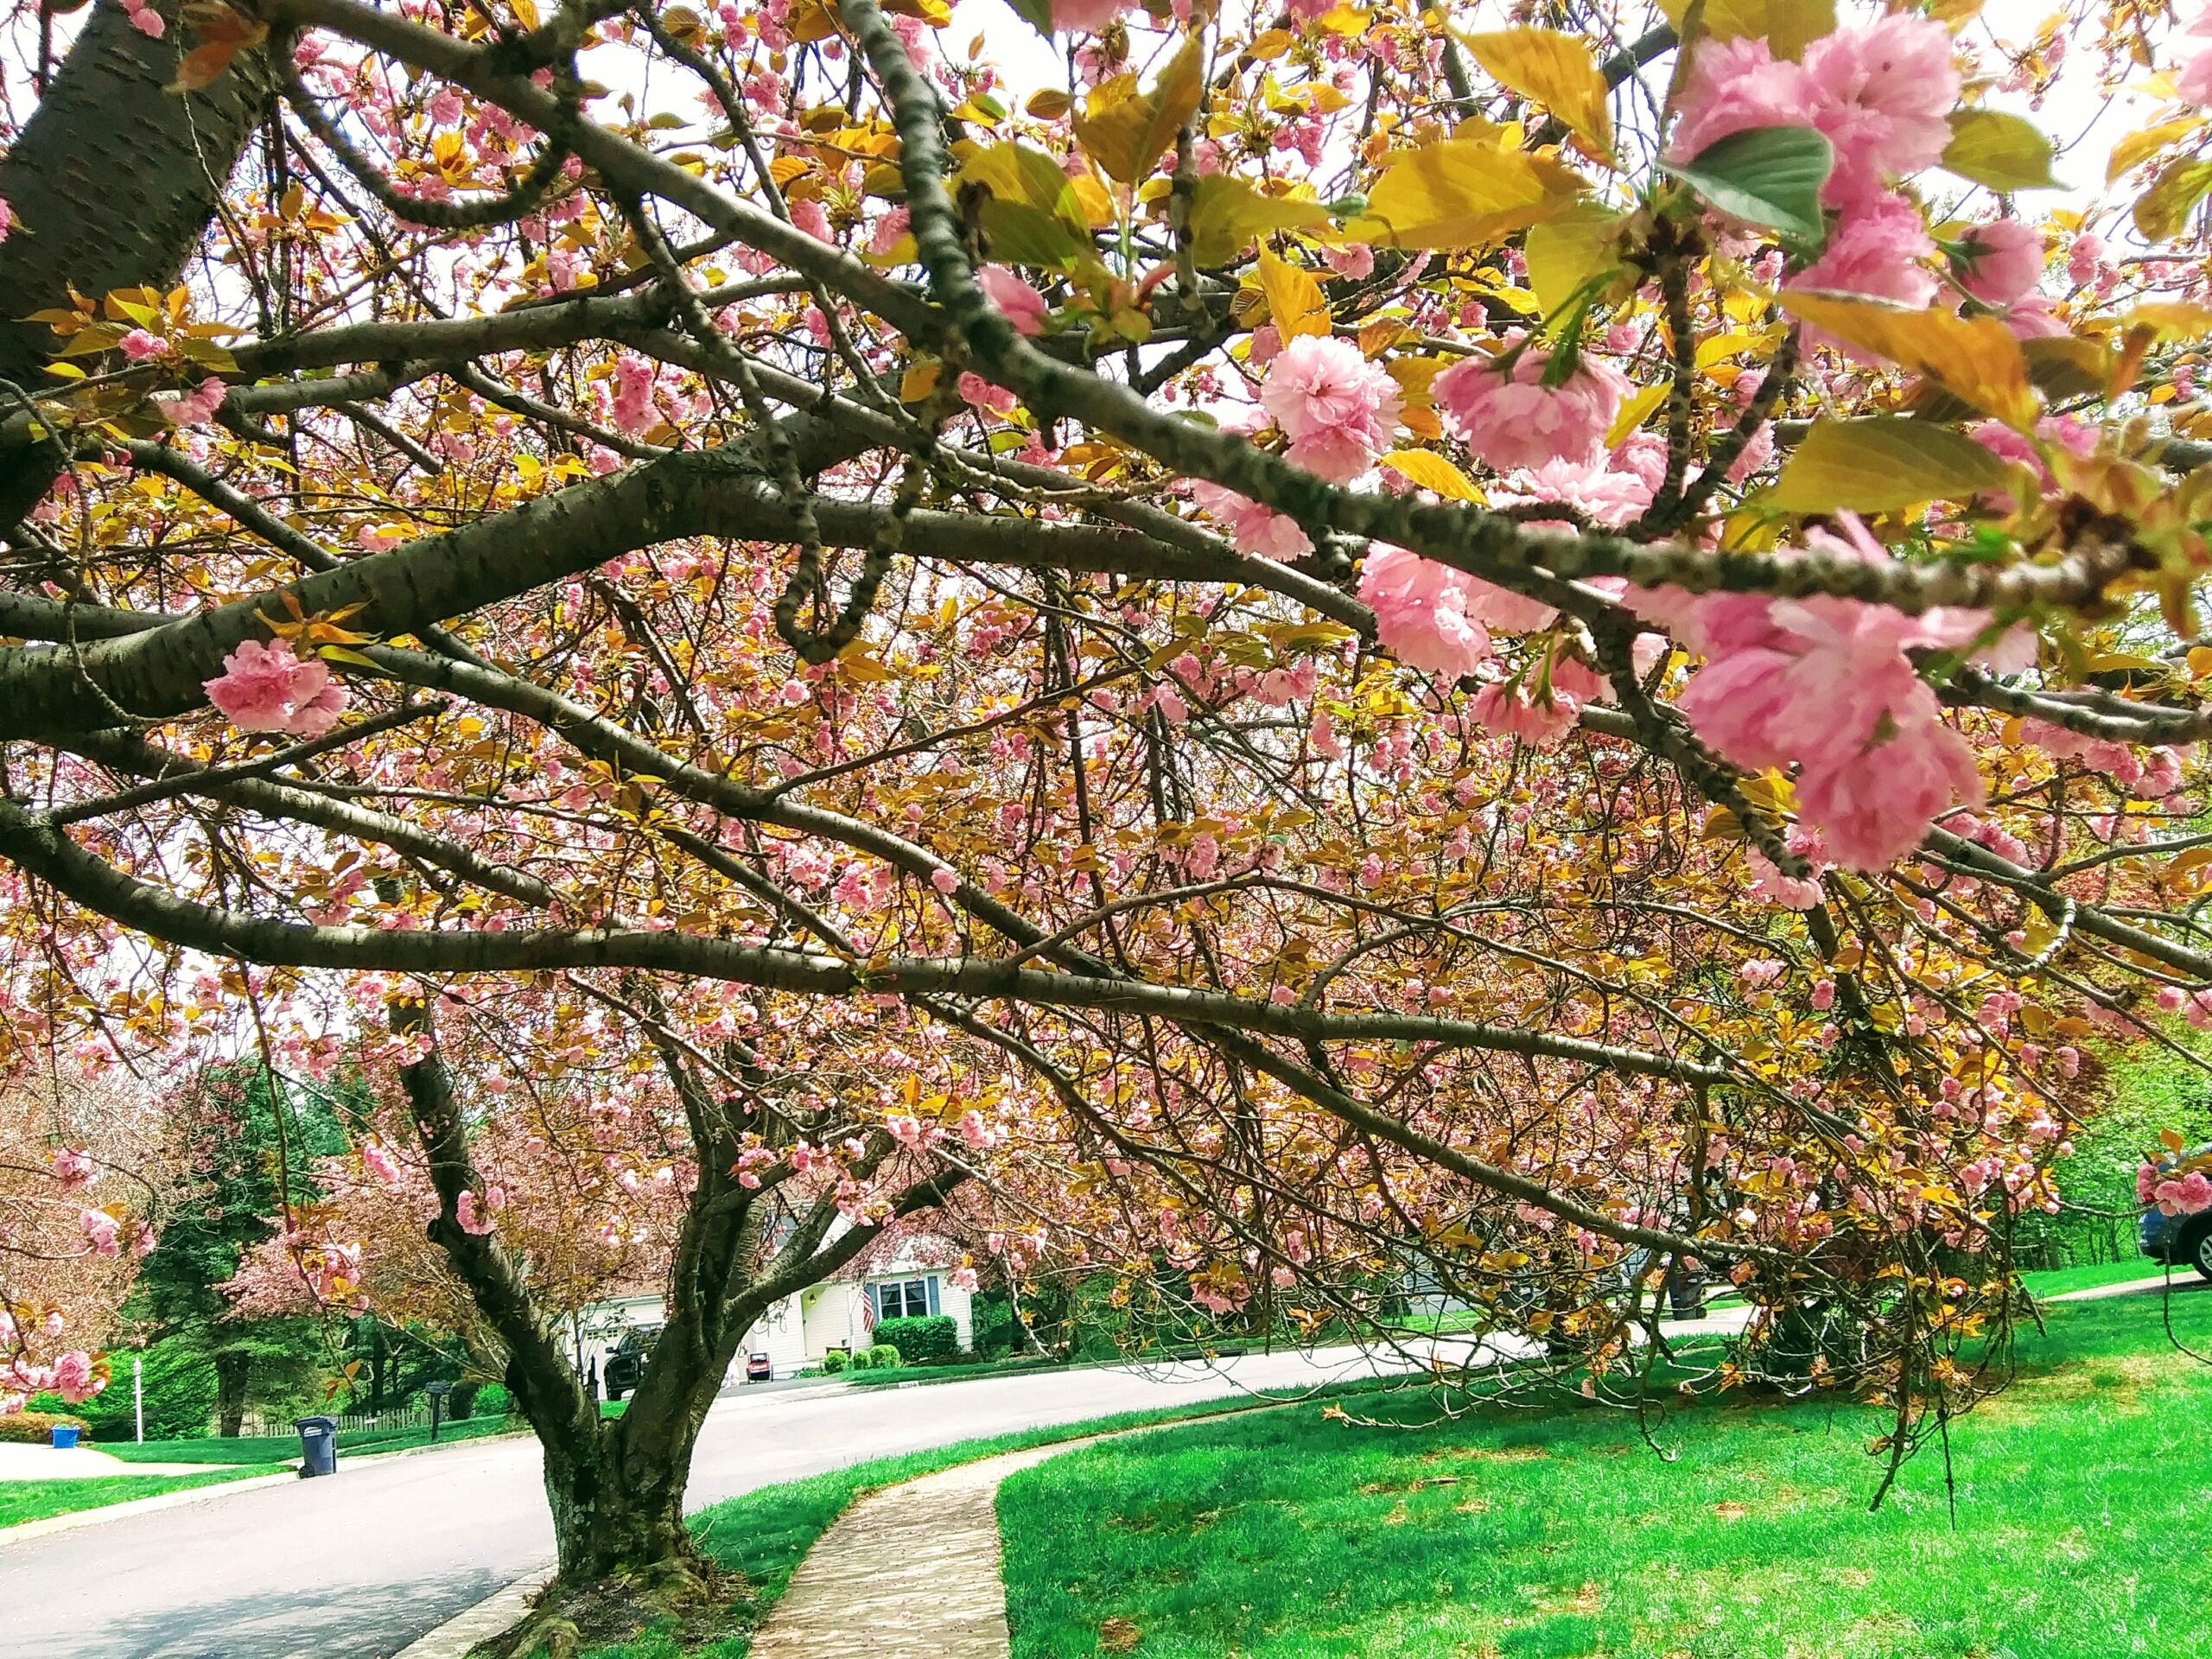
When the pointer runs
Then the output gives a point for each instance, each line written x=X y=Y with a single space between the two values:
x=113 y=183
x=231 y=1369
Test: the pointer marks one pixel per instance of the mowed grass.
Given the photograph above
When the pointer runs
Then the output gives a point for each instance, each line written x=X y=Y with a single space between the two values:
x=285 y=1448
x=34 y=1500
x=763 y=1535
x=2083 y=1496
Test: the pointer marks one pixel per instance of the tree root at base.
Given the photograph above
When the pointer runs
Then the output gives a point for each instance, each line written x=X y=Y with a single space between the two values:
x=694 y=1601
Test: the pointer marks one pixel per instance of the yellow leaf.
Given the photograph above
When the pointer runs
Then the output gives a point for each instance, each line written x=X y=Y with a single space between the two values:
x=1882 y=463
x=1975 y=359
x=1554 y=70
x=2170 y=320
x=2161 y=210
x=1634 y=413
x=1048 y=103
x=919 y=380
x=1295 y=300
x=1125 y=131
x=1226 y=214
x=1787 y=25
x=2000 y=150
x=1462 y=193
x=1570 y=254
x=2138 y=147
x=1431 y=471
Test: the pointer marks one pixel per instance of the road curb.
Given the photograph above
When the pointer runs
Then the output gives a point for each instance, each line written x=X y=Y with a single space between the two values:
x=487 y=1617
x=76 y=1518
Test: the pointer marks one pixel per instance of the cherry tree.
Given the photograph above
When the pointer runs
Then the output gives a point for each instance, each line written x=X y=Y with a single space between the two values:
x=1314 y=643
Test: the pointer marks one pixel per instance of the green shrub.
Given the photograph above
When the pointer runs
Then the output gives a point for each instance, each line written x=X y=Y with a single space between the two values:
x=990 y=1315
x=921 y=1342
x=883 y=1356
x=179 y=1386
x=834 y=1361
x=35 y=1428
x=493 y=1401
x=863 y=1359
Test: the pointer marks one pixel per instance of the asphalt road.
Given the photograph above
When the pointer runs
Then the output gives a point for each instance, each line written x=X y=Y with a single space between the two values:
x=359 y=1566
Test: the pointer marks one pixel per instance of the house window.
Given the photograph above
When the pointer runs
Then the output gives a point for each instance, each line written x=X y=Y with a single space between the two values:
x=905 y=1299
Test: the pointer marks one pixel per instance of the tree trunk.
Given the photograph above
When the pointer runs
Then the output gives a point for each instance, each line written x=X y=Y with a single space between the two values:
x=112 y=182
x=231 y=1372
x=624 y=1513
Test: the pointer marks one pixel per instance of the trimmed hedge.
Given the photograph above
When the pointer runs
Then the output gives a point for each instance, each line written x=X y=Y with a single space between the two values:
x=920 y=1341
x=834 y=1361
x=33 y=1427
x=883 y=1356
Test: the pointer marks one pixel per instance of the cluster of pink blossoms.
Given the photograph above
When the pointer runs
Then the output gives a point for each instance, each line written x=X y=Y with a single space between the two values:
x=1881 y=95
x=1501 y=409
x=1826 y=682
x=2187 y=1195
x=1337 y=409
x=266 y=689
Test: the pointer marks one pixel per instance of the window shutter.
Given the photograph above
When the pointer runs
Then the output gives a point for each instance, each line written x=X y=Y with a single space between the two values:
x=932 y=1282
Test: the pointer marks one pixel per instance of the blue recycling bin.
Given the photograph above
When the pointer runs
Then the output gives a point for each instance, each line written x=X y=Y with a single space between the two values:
x=65 y=1436
x=318 y=1445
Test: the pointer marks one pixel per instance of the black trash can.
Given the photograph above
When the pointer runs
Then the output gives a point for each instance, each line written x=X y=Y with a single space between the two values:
x=318 y=1445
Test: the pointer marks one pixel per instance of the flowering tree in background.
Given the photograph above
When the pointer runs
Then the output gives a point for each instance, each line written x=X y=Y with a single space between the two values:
x=1311 y=644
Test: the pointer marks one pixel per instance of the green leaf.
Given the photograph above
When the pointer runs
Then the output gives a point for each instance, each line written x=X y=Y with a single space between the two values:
x=1766 y=176
x=2000 y=150
x=1882 y=463
x=2161 y=211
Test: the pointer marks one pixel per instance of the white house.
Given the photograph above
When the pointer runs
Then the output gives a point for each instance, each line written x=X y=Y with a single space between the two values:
x=840 y=1313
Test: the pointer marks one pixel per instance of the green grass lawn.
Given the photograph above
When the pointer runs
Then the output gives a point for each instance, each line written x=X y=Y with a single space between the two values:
x=285 y=1448
x=2081 y=1531
x=34 y=1500
x=890 y=1376
x=765 y=1535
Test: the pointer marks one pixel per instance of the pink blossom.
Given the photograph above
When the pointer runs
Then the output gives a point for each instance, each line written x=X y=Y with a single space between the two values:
x=145 y=19
x=6 y=220
x=1514 y=713
x=1023 y=306
x=1420 y=612
x=2146 y=1183
x=1734 y=85
x=893 y=228
x=73 y=1378
x=1354 y=261
x=194 y=407
x=1875 y=807
x=1876 y=250
x=1884 y=91
x=964 y=1279
x=982 y=394
x=943 y=880
x=266 y=689
x=1605 y=495
x=1790 y=892
x=904 y=1129
x=2191 y=1195
x=2001 y=262
x=70 y=1167
x=138 y=346
x=1337 y=409
x=100 y=1229
x=1823 y=996
x=2193 y=80
x=2084 y=257
x=973 y=1129
x=1084 y=16
x=1510 y=420
x=472 y=1220
x=633 y=411
x=378 y=1161
x=1259 y=531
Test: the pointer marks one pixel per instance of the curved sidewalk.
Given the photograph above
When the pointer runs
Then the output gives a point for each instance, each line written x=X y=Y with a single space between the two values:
x=911 y=1572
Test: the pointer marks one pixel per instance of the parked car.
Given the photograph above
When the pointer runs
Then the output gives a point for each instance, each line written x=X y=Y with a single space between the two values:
x=625 y=1366
x=2179 y=1241
x=759 y=1368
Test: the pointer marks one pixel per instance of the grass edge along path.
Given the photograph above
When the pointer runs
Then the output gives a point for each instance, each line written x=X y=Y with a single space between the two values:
x=762 y=1535
x=25 y=1501
x=1556 y=1534
x=269 y=1450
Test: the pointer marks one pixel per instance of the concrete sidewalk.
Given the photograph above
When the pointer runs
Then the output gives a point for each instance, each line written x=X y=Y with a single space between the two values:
x=20 y=1462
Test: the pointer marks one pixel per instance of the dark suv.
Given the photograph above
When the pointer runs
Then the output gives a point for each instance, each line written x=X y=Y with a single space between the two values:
x=625 y=1366
x=2179 y=1241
